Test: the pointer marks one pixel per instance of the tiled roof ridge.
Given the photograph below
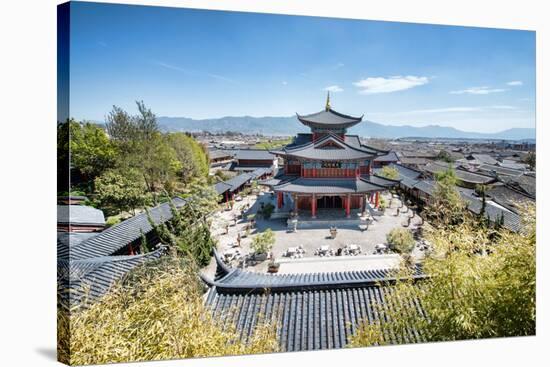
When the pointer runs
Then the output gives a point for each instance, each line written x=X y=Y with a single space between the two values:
x=346 y=279
x=339 y=114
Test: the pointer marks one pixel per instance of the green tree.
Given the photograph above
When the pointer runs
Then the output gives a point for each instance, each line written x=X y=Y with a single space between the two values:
x=531 y=160
x=143 y=148
x=389 y=172
x=445 y=156
x=446 y=207
x=191 y=155
x=263 y=242
x=116 y=192
x=188 y=232
x=479 y=286
x=400 y=240
x=92 y=153
x=63 y=160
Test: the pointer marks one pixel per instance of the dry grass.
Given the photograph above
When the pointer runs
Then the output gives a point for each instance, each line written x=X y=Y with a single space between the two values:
x=156 y=313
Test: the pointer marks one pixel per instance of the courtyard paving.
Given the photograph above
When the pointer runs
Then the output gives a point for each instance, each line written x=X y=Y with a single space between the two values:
x=309 y=238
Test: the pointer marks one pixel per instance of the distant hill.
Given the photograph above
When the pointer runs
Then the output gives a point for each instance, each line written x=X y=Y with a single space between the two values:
x=291 y=125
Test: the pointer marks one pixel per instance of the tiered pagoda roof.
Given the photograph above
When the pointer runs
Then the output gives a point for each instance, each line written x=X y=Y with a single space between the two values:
x=328 y=186
x=330 y=147
x=329 y=119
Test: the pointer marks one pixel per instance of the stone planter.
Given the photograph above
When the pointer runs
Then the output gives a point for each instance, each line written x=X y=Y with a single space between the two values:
x=260 y=257
x=273 y=267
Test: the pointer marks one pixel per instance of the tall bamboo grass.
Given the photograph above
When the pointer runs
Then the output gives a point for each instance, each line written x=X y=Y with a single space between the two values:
x=156 y=313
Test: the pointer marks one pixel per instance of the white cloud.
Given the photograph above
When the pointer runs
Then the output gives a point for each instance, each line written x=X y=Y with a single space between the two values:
x=333 y=88
x=478 y=90
x=194 y=72
x=391 y=84
x=515 y=83
x=502 y=107
x=445 y=110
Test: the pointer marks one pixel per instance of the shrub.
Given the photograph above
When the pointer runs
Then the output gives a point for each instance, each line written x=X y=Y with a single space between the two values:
x=111 y=221
x=389 y=172
x=400 y=240
x=268 y=210
x=480 y=286
x=263 y=242
x=382 y=205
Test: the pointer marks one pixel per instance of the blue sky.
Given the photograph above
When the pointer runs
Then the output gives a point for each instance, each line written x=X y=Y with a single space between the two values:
x=206 y=64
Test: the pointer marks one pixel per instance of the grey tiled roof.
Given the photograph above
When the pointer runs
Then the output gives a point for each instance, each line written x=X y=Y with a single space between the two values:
x=474 y=204
x=329 y=118
x=525 y=182
x=215 y=154
x=484 y=158
x=462 y=175
x=426 y=186
x=253 y=154
x=259 y=172
x=246 y=168
x=379 y=180
x=120 y=235
x=509 y=197
x=84 y=281
x=489 y=169
x=314 y=150
x=237 y=181
x=414 y=161
x=328 y=186
x=222 y=187
x=311 y=311
x=408 y=182
x=355 y=141
x=512 y=221
x=406 y=171
x=79 y=214
x=390 y=157
x=276 y=180
x=66 y=240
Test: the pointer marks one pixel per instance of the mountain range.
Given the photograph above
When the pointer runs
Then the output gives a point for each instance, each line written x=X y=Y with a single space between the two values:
x=291 y=126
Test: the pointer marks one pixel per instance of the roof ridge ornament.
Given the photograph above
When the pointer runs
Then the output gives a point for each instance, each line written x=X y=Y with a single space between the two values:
x=327 y=106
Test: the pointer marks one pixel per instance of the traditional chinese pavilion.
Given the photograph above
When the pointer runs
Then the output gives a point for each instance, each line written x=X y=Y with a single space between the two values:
x=328 y=169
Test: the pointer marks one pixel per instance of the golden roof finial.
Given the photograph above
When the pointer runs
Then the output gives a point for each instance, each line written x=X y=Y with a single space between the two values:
x=327 y=106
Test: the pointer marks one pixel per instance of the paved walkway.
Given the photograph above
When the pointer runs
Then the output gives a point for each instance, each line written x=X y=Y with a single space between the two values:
x=338 y=263
x=309 y=239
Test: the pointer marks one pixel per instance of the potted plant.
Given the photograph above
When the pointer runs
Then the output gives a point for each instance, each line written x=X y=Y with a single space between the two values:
x=273 y=267
x=262 y=244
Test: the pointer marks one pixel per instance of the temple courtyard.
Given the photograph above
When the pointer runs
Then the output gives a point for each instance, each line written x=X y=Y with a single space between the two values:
x=310 y=235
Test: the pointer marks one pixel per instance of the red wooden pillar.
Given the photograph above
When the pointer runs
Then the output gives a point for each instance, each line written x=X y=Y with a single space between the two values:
x=279 y=200
x=377 y=203
x=348 y=205
x=313 y=206
x=296 y=204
